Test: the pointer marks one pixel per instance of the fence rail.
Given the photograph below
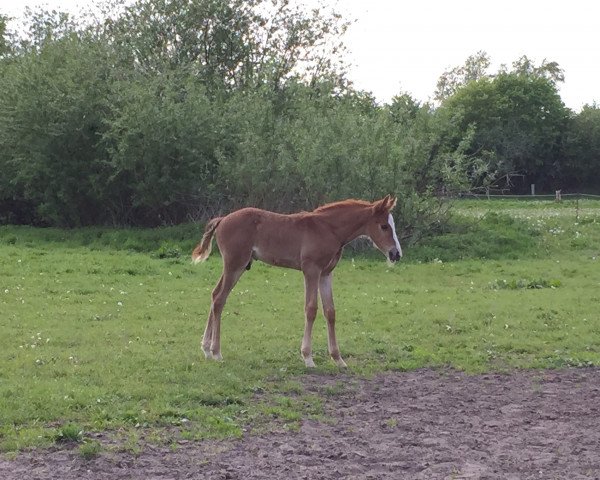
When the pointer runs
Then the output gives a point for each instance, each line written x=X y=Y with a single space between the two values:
x=485 y=196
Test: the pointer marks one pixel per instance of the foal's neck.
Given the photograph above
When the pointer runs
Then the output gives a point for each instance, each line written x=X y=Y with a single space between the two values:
x=348 y=222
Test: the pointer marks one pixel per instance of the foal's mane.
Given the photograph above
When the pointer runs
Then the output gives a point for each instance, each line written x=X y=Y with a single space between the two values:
x=343 y=203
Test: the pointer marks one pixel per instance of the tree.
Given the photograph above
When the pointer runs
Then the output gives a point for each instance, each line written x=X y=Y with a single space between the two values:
x=4 y=43
x=582 y=164
x=518 y=119
x=229 y=44
x=51 y=113
x=114 y=120
x=551 y=71
x=161 y=138
x=171 y=109
x=301 y=146
x=475 y=68
x=404 y=108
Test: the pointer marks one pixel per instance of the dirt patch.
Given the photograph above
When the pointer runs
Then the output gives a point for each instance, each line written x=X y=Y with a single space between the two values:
x=418 y=425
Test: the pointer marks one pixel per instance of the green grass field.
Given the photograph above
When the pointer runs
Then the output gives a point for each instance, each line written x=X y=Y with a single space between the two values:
x=101 y=328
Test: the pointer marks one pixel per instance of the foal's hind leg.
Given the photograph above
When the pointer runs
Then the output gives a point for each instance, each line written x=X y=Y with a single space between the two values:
x=207 y=337
x=211 y=343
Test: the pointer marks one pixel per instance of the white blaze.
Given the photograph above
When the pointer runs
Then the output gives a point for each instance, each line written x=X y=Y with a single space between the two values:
x=391 y=223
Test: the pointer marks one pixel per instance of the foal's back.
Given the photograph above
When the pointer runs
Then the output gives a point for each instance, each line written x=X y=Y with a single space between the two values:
x=273 y=238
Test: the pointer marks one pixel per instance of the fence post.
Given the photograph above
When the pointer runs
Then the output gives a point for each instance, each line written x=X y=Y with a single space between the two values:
x=558 y=196
x=533 y=189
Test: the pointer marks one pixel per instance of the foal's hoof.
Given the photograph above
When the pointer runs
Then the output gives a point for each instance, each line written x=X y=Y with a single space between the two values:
x=340 y=362
x=207 y=354
x=309 y=362
x=217 y=357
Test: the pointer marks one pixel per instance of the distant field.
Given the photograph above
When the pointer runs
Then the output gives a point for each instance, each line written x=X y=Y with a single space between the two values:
x=101 y=328
x=570 y=208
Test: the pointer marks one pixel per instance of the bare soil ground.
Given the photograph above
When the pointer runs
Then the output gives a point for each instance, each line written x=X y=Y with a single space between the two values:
x=426 y=424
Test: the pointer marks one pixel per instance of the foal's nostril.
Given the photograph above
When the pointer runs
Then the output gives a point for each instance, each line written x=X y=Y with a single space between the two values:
x=394 y=255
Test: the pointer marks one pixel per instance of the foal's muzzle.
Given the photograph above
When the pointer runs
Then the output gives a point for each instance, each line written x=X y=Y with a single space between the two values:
x=394 y=255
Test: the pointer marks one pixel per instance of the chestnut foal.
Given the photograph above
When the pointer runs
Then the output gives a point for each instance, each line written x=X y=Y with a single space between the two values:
x=307 y=241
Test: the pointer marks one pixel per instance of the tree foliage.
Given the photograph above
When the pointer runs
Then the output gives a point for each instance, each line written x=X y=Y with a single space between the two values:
x=4 y=43
x=474 y=68
x=519 y=123
x=228 y=44
x=160 y=137
x=50 y=116
x=582 y=162
x=160 y=111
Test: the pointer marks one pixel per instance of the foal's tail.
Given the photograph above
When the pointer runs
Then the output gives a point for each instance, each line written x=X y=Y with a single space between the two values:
x=202 y=250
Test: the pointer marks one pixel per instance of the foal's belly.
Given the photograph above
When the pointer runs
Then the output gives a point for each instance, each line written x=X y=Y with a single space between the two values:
x=278 y=240
x=278 y=259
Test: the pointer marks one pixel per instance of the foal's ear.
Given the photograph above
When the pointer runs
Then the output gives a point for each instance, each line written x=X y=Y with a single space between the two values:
x=386 y=204
x=392 y=203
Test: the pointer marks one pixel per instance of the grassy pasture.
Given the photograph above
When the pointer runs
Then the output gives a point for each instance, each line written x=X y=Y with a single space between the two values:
x=100 y=328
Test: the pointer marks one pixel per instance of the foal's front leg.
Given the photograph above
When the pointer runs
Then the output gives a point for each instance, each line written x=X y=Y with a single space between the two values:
x=311 y=286
x=325 y=288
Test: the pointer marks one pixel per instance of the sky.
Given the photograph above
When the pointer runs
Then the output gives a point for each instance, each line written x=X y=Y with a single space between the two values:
x=399 y=46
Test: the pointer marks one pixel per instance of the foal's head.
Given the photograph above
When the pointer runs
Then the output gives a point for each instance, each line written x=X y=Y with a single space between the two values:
x=382 y=231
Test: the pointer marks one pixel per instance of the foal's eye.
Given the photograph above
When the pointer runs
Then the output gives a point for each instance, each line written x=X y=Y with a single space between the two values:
x=385 y=226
